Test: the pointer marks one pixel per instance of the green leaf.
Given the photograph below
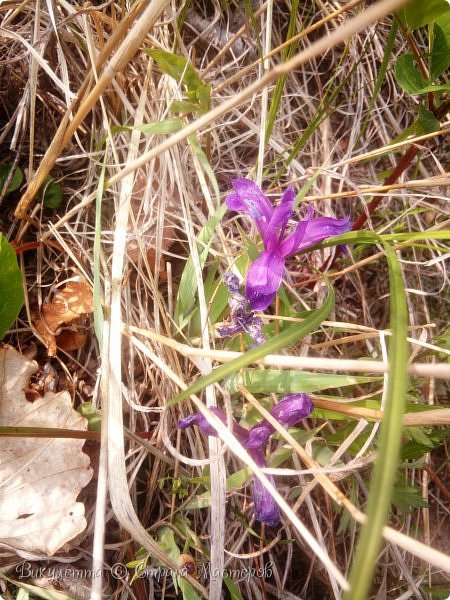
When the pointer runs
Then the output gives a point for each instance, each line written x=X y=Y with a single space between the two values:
x=51 y=193
x=204 y=162
x=183 y=106
x=437 y=591
x=152 y=128
x=160 y=127
x=199 y=501
x=203 y=95
x=367 y=237
x=411 y=79
x=285 y=339
x=15 y=182
x=217 y=298
x=408 y=75
x=286 y=54
x=234 y=593
x=440 y=50
x=426 y=122
x=288 y=382
x=188 y=283
x=385 y=469
x=11 y=288
x=166 y=541
x=423 y=12
x=237 y=480
x=445 y=87
x=422 y=443
x=407 y=498
x=177 y=67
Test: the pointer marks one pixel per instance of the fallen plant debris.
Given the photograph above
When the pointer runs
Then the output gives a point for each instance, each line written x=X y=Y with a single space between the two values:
x=40 y=479
x=67 y=306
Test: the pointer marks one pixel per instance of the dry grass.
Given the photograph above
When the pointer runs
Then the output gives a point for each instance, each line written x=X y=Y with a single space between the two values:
x=75 y=89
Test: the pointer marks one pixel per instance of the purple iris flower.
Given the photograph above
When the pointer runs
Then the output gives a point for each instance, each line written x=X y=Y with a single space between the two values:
x=288 y=412
x=265 y=274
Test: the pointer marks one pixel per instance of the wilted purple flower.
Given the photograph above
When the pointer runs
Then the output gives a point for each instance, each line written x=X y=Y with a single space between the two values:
x=265 y=274
x=241 y=319
x=198 y=419
x=289 y=411
x=266 y=509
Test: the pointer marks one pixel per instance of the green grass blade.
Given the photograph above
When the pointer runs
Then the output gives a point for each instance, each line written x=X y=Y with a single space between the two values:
x=188 y=286
x=369 y=237
x=385 y=469
x=283 y=340
x=204 y=162
x=286 y=54
x=381 y=75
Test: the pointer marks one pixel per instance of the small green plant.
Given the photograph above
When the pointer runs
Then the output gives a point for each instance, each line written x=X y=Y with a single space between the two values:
x=197 y=95
x=418 y=75
x=5 y=174
x=11 y=288
x=51 y=194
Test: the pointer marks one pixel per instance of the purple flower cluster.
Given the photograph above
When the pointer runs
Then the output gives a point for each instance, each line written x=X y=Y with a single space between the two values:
x=262 y=283
x=265 y=274
x=288 y=412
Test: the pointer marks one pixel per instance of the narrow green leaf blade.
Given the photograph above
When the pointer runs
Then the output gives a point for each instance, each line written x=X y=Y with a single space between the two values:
x=160 y=127
x=233 y=590
x=203 y=160
x=385 y=469
x=290 y=382
x=188 y=285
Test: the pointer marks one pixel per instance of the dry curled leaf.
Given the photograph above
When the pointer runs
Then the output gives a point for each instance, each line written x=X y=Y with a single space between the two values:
x=66 y=306
x=40 y=479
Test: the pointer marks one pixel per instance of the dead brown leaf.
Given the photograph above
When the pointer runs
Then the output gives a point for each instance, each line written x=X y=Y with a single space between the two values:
x=67 y=306
x=40 y=478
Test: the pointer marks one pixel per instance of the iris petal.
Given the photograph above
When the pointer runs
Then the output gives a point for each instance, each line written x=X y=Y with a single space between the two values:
x=291 y=409
x=249 y=199
x=289 y=245
x=198 y=419
x=263 y=279
x=316 y=230
x=266 y=509
x=279 y=219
